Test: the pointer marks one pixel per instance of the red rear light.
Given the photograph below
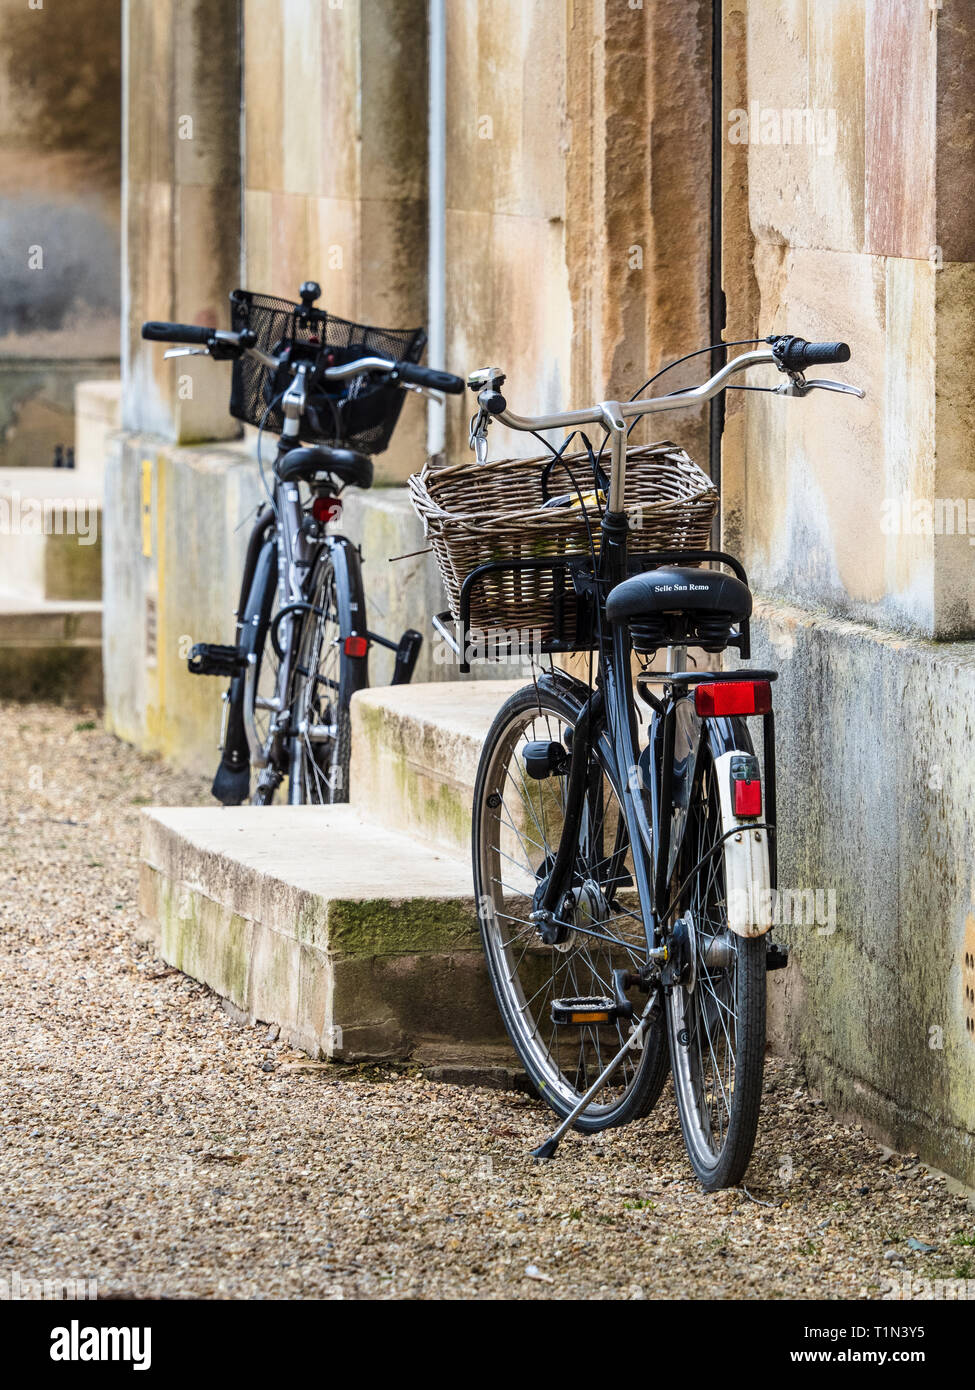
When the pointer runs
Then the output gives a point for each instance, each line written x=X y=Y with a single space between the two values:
x=733 y=697
x=747 y=798
x=325 y=509
x=356 y=646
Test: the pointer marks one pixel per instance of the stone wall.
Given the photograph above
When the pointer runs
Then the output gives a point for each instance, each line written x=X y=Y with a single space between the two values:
x=577 y=249
x=574 y=258
x=862 y=233
x=578 y=170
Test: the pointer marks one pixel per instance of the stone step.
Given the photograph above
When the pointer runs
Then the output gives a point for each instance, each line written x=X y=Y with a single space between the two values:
x=50 y=650
x=415 y=750
x=50 y=522
x=356 y=940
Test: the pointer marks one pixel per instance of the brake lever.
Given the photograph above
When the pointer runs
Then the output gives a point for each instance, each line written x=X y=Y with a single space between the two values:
x=428 y=391
x=187 y=352
x=477 y=438
x=843 y=387
x=797 y=385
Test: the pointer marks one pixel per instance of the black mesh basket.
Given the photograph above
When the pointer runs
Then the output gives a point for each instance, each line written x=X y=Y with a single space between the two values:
x=361 y=412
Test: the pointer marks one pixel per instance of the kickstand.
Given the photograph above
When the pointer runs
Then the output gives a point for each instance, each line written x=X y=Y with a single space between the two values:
x=634 y=1041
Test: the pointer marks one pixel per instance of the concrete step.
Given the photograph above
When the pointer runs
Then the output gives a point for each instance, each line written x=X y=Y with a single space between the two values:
x=356 y=940
x=50 y=522
x=50 y=650
x=415 y=750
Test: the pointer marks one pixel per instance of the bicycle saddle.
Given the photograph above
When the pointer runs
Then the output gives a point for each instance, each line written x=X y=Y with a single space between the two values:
x=674 y=590
x=345 y=464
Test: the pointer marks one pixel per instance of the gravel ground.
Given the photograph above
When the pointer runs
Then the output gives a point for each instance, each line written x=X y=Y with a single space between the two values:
x=152 y=1143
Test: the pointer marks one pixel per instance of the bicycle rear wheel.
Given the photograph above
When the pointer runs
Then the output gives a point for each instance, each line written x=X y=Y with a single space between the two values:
x=325 y=679
x=517 y=828
x=716 y=1015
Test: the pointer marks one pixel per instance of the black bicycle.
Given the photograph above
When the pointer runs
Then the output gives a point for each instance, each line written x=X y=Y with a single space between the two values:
x=332 y=392
x=624 y=892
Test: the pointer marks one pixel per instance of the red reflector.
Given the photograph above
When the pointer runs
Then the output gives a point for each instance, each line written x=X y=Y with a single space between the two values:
x=748 y=798
x=733 y=697
x=325 y=508
x=356 y=646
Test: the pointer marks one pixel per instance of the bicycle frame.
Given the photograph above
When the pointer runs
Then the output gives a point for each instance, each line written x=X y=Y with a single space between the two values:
x=645 y=809
x=295 y=555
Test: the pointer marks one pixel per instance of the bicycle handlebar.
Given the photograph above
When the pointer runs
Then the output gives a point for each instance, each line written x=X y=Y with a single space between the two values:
x=613 y=415
x=177 y=333
x=225 y=344
x=628 y=410
x=416 y=375
x=794 y=354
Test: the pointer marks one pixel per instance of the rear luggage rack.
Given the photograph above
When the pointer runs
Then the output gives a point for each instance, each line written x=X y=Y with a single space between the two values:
x=573 y=626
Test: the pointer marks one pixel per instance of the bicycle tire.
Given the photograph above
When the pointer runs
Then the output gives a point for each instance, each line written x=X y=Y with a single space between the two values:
x=546 y=708
x=715 y=1090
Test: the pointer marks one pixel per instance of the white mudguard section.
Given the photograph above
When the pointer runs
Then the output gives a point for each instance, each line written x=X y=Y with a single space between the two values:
x=745 y=863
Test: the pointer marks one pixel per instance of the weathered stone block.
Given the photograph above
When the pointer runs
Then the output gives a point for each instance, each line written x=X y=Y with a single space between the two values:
x=369 y=948
x=876 y=790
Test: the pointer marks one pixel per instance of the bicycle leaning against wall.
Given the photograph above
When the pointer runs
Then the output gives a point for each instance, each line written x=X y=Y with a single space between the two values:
x=624 y=892
x=332 y=391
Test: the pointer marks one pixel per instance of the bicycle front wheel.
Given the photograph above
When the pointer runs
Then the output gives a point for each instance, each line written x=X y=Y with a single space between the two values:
x=716 y=1014
x=517 y=828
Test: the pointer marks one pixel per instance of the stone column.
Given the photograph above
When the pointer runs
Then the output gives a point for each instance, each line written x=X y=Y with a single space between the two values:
x=638 y=199
x=335 y=140
x=173 y=536
x=182 y=199
x=847 y=215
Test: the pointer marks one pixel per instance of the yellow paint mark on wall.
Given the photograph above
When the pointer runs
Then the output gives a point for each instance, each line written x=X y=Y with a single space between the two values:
x=162 y=610
x=147 y=508
x=968 y=976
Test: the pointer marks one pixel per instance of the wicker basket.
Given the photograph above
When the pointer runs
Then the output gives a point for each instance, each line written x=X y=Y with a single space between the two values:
x=475 y=513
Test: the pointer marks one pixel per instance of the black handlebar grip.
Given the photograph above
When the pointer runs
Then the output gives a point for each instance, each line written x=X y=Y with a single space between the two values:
x=795 y=353
x=427 y=376
x=177 y=333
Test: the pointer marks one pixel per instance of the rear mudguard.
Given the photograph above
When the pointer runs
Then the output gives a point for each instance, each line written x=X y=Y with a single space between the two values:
x=350 y=599
x=746 y=857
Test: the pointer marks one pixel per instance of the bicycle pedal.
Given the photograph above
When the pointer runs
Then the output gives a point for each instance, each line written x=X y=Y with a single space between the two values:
x=407 y=651
x=776 y=957
x=584 y=1010
x=211 y=659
